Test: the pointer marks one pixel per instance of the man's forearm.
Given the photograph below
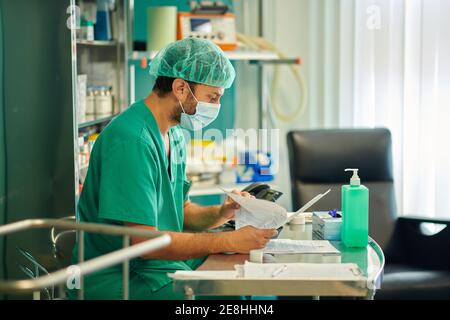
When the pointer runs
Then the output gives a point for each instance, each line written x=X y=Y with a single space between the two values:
x=198 y=218
x=190 y=245
x=193 y=245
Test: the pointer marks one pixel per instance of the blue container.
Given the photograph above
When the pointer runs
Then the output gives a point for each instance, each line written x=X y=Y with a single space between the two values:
x=254 y=167
x=103 y=25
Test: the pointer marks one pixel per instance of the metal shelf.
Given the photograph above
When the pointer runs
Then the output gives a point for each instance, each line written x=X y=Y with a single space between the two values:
x=217 y=189
x=253 y=56
x=98 y=43
x=214 y=189
x=97 y=120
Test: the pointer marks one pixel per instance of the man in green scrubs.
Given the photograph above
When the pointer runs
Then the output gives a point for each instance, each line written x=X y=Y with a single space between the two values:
x=137 y=177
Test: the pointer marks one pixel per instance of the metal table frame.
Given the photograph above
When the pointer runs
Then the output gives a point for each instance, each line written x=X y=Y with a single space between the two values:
x=157 y=241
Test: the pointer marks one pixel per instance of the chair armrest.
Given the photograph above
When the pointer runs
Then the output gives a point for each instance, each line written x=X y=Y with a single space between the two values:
x=429 y=251
x=425 y=219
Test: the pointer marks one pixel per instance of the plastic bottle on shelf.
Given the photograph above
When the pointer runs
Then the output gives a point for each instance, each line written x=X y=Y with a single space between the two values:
x=84 y=153
x=80 y=32
x=82 y=93
x=89 y=30
x=90 y=101
x=104 y=101
x=91 y=140
x=103 y=25
x=81 y=158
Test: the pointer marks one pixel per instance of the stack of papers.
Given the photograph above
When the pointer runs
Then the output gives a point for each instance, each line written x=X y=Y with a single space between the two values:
x=287 y=246
x=265 y=214
x=299 y=246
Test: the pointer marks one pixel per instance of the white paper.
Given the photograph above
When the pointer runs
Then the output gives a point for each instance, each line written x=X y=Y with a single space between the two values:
x=264 y=214
x=180 y=275
x=299 y=271
x=259 y=213
x=299 y=246
x=292 y=215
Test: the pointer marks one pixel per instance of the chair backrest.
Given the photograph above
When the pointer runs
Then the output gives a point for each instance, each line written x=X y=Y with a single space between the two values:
x=317 y=161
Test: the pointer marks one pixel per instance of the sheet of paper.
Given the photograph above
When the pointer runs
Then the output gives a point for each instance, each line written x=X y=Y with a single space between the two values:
x=259 y=213
x=307 y=271
x=298 y=271
x=299 y=246
x=265 y=214
x=179 y=275
x=291 y=215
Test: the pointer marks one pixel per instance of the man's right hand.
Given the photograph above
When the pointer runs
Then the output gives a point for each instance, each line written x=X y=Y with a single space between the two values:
x=248 y=238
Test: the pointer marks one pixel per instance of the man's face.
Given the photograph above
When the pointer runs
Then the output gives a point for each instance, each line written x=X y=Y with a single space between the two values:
x=202 y=93
x=185 y=95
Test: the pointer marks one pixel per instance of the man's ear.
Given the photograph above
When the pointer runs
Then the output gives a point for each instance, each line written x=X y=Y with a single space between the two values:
x=180 y=89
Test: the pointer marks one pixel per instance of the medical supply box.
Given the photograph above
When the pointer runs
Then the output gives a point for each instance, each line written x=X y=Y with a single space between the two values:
x=327 y=225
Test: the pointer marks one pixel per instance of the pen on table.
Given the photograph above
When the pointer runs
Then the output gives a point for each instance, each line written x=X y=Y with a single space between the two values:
x=279 y=270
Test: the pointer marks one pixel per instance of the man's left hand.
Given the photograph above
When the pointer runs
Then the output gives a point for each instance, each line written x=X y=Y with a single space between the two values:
x=229 y=207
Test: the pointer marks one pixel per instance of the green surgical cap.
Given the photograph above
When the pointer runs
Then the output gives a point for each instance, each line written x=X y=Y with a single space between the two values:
x=194 y=60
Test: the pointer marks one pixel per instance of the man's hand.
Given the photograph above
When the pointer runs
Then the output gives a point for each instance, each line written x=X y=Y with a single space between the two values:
x=229 y=207
x=248 y=238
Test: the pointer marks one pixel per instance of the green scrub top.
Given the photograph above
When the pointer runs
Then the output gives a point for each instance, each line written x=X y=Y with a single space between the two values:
x=128 y=181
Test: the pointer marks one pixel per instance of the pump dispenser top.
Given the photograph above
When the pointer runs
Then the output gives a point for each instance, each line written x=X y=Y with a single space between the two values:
x=354 y=181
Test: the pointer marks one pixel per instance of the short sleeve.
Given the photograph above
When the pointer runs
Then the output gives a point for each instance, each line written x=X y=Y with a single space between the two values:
x=128 y=184
x=180 y=160
x=186 y=187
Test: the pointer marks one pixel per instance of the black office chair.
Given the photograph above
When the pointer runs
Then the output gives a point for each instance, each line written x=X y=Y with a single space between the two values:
x=417 y=263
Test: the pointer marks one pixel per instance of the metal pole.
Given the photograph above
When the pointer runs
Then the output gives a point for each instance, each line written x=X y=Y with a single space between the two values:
x=80 y=260
x=129 y=47
x=261 y=93
x=126 y=271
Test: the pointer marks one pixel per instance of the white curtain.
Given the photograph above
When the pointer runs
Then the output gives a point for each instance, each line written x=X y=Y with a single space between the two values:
x=401 y=80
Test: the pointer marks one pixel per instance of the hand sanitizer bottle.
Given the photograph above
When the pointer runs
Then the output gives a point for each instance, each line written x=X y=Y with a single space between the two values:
x=355 y=213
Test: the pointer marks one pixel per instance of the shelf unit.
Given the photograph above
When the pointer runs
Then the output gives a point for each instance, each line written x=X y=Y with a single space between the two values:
x=218 y=189
x=212 y=190
x=251 y=56
x=97 y=43
x=106 y=64
x=96 y=121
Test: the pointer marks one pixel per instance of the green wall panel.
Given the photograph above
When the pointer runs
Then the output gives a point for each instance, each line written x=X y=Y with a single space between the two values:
x=37 y=152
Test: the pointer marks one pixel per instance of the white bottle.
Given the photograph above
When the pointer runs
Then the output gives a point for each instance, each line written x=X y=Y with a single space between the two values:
x=104 y=102
x=90 y=101
x=89 y=31
x=82 y=92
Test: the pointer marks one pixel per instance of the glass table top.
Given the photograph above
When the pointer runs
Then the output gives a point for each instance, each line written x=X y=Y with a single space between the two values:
x=369 y=259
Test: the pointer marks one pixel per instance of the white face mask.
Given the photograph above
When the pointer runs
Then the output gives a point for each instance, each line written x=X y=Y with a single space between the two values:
x=204 y=115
